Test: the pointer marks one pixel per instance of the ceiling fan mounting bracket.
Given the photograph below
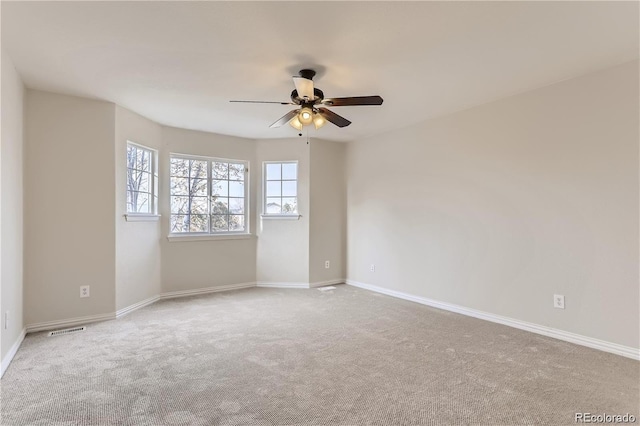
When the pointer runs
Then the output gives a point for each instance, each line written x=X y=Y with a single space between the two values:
x=307 y=73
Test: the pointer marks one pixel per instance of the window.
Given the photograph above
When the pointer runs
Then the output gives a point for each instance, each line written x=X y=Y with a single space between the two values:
x=281 y=188
x=208 y=195
x=142 y=180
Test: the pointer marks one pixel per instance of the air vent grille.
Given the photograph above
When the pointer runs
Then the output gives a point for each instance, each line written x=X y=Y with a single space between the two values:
x=67 y=331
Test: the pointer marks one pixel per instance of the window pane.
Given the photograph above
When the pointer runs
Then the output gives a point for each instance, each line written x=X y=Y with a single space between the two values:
x=131 y=156
x=220 y=188
x=290 y=171
x=220 y=206
x=179 y=223
x=236 y=189
x=273 y=189
x=289 y=205
x=129 y=202
x=144 y=182
x=219 y=223
x=132 y=180
x=179 y=167
x=198 y=169
x=236 y=223
x=199 y=223
x=142 y=161
x=273 y=205
x=236 y=205
x=137 y=199
x=199 y=205
x=236 y=171
x=180 y=204
x=143 y=203
x=198 y=187
x=220 y=170
x=179 y=186
x=289 y=188
x=273 y=171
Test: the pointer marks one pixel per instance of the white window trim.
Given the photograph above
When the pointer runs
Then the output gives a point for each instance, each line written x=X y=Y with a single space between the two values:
x=265 y=215
x=129 y=216
x=203 y=236
x=207 y=237
x=281 y=216
x=141 y=217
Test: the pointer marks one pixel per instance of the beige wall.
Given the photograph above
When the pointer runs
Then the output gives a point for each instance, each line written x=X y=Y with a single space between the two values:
x=137 y=243
x=499 y=207
x=327 y=226
x=69 y=204
x=283 y=245
x=11 y=202
x=189 y=265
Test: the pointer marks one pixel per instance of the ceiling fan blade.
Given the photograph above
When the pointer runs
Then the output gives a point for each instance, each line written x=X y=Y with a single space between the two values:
x=285 y=118
x=354 y=100
x=304 y=86
x=264 y=102
x=333 y=117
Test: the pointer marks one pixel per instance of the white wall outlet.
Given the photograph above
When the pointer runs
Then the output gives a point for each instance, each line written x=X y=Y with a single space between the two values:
x=327 y=264
x=558 y=301
x=372 y=268
x=84 y=291
x=6 y=320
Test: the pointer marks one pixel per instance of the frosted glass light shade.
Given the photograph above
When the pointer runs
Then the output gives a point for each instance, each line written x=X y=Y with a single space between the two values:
x=305 y=116
x=295 y=123
x=318 y=120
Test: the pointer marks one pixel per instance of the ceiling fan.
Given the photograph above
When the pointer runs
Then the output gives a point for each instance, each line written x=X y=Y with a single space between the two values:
x=312 y=104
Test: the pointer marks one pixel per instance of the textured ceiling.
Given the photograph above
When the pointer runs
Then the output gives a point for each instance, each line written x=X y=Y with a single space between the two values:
x=179 y=63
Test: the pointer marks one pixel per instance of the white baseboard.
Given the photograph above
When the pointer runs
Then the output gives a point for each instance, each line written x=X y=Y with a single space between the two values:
x=184 y=293
x=326 y=283
x=566 y=336
x=271 y=284
x=138 y=305
x=70 y=322
x=12 y=352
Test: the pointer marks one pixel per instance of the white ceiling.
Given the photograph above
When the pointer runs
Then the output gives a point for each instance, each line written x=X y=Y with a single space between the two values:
x=179 y=63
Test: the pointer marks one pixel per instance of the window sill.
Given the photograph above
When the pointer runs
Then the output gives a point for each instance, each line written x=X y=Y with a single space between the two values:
x=208 y=237
x=281 y=216
x=132 y=217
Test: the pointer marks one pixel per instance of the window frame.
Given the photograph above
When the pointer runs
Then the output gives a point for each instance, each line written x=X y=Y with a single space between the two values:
x=153 y=215
x=186 y=236
x=266 y=215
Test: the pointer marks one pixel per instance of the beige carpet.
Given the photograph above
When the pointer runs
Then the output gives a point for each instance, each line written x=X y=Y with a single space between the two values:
x=289 y=356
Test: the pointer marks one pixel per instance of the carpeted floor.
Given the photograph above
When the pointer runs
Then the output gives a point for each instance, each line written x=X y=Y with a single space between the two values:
x=290 y=356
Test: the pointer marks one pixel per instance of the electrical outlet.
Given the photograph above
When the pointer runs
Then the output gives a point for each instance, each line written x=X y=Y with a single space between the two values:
x=84 y=291
x=372 y=268
x=558 y=301
x=6 y=320
x=327 y=264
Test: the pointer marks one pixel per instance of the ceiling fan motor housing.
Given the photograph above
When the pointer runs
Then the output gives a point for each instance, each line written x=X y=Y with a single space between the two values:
x=318 y=96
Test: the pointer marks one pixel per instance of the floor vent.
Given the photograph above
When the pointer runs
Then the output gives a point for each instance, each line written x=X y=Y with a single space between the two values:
x=67 y=331
x=326 y=288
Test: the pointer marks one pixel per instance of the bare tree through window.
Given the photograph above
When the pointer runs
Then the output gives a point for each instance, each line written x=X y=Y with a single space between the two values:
x=141 y=176
x=207 y=196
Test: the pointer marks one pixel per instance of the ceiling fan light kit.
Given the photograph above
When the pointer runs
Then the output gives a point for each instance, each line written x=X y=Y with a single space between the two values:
x=311 y=101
